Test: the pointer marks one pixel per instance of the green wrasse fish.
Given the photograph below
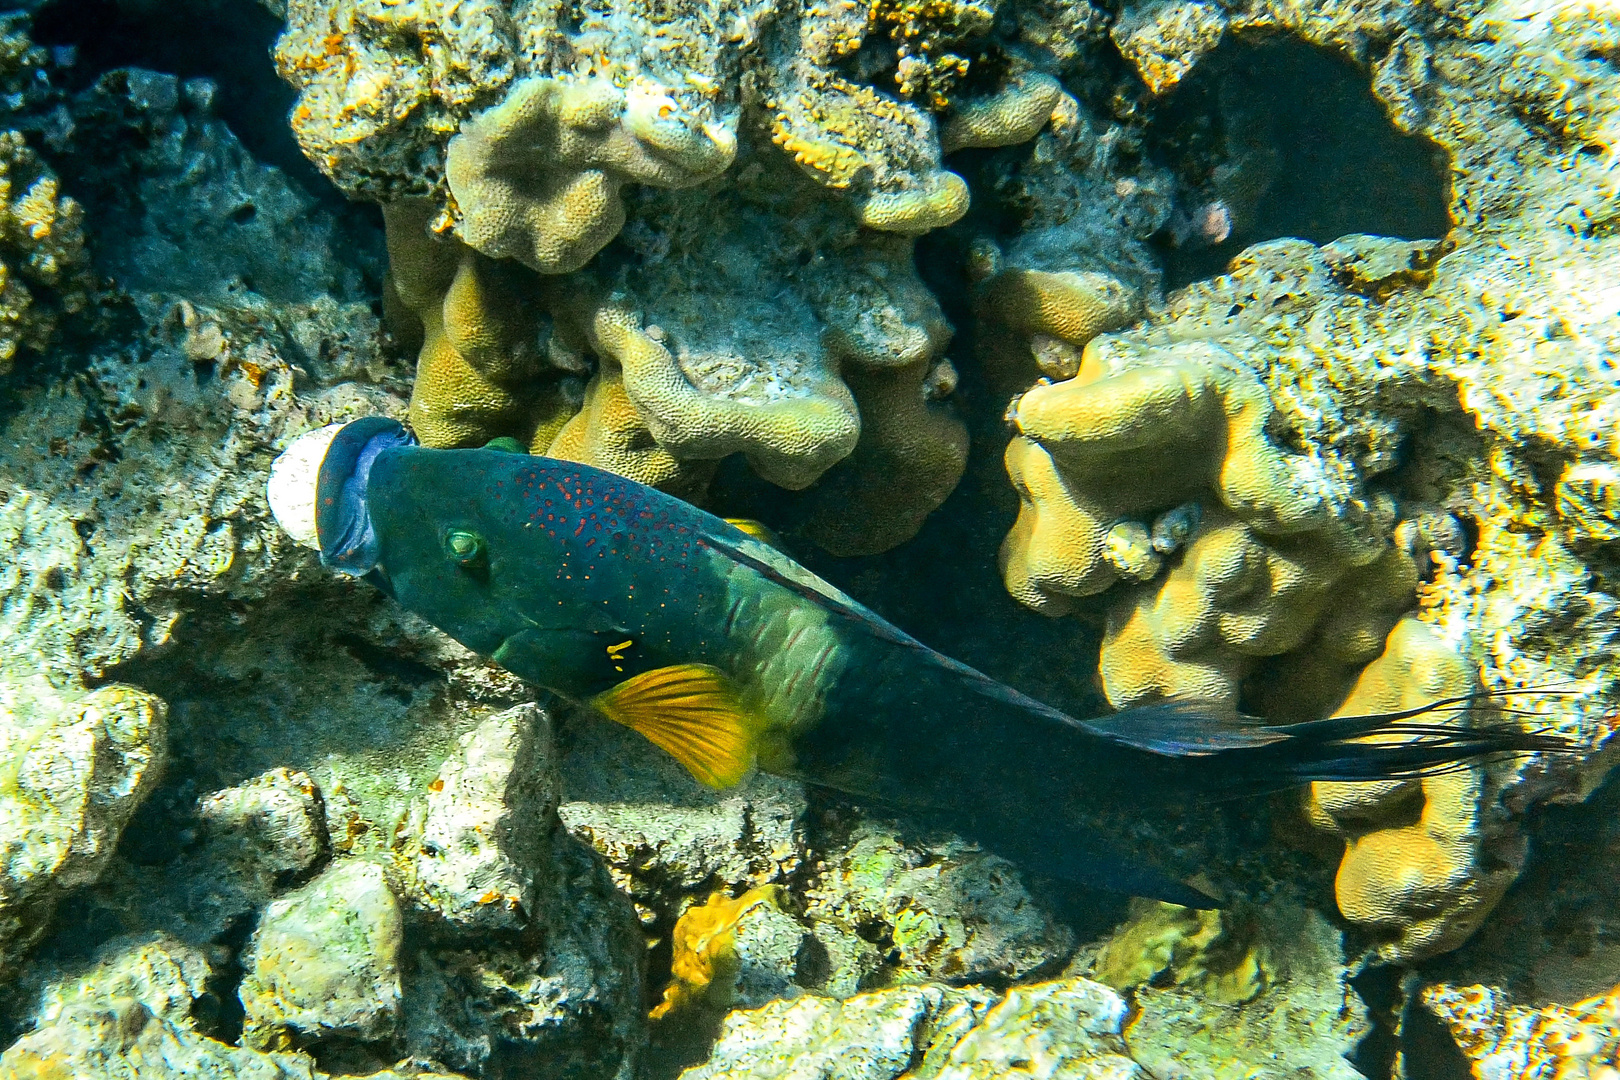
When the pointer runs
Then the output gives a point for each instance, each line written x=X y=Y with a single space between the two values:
x=730 y=656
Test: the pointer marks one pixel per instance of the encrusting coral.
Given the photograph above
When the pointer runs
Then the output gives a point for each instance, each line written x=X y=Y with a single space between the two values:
x=44 y=268
x=1246 y=990
x=704 y=968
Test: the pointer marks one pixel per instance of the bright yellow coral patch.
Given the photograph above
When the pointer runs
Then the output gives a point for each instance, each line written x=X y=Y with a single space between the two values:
x=1418 y=868
x=705 y=941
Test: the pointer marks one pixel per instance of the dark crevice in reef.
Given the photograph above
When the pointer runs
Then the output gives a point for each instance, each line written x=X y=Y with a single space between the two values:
x=228 y=41
x=1272 y=137
x=1380 y=990
x=944 y=585
x=1427 y=1048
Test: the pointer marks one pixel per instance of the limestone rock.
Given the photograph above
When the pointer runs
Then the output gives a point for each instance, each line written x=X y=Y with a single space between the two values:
x=325 y=961
x=949 y=910
x=163 y=975
x=482 y=830
x=73 y=768
x=1065 y=1030
x=663 y=837
x=122 y=1040
x=1235 y=993
x=276 y=821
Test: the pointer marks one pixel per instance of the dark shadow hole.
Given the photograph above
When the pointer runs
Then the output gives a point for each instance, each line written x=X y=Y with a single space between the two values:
x=1427 y=1048
x=228 y=42
x=1274 y=137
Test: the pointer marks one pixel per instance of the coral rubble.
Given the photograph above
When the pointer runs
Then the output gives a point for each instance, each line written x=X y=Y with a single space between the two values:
x=929 y=1032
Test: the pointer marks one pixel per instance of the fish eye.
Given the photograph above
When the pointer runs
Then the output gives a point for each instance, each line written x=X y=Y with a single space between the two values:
x=463 y=546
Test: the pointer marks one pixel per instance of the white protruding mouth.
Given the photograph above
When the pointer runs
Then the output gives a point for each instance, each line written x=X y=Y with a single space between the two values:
x=293 y=478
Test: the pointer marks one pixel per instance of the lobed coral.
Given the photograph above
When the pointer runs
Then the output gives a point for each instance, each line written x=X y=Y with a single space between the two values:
x=1394 y=410
x=1420 y=870
x=767 y=316
x=1152 y=467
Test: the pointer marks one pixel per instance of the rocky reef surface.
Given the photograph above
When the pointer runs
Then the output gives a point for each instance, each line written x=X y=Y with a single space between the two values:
x=1299 y=327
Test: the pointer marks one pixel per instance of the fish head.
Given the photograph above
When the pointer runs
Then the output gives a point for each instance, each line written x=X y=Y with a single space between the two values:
x=318 y=490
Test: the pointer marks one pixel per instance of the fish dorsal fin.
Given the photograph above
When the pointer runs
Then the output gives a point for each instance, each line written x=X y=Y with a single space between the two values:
x=756 y=529
x=777 y=567
x=692 y=712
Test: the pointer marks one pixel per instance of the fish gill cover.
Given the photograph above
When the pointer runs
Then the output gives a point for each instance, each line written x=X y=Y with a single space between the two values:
x=1273 y=347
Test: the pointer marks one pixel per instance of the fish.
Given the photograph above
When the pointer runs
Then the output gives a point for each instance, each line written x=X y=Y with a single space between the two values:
x=704 y=637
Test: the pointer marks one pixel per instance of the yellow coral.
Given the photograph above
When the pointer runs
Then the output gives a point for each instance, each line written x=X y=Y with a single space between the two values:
x=610 y=433
x=789 y=438
x=1054 y=313
x=537 y=177
x=847 y=136
x=478 y=375
x=41 y=245
x=1102 y=455
x=704 y=965
x=1163 y=944
x=1416 y=870
x=1015 y=113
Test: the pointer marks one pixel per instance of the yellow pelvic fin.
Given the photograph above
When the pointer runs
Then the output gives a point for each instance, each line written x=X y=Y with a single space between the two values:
x=758 y=530
x=692 y=712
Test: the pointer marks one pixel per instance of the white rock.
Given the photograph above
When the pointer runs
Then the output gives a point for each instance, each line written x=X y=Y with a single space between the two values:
x=325 y=960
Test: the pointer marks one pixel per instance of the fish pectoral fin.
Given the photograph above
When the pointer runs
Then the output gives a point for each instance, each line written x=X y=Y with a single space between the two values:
x=692 y=712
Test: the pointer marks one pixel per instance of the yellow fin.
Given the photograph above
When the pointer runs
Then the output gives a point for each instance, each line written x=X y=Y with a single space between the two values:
x=692 y=712
x=757 y=529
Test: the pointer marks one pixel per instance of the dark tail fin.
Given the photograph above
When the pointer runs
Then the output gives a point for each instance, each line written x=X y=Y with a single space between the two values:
x=1244 y=751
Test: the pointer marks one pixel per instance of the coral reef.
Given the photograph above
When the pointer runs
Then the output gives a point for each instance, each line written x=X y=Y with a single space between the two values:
x=1499 y=1038
x=930 y=1032
x=762 y=320
x=257 y=822
x=44 y=269
x=1225 y=993
x=1298 y=567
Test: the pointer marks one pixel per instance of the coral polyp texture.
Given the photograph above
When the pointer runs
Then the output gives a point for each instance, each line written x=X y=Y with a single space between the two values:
x=769 y=191
x=1280 y=466
x=1422 y=884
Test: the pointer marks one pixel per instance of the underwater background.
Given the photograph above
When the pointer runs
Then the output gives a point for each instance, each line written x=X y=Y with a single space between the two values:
x=1260 y=351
